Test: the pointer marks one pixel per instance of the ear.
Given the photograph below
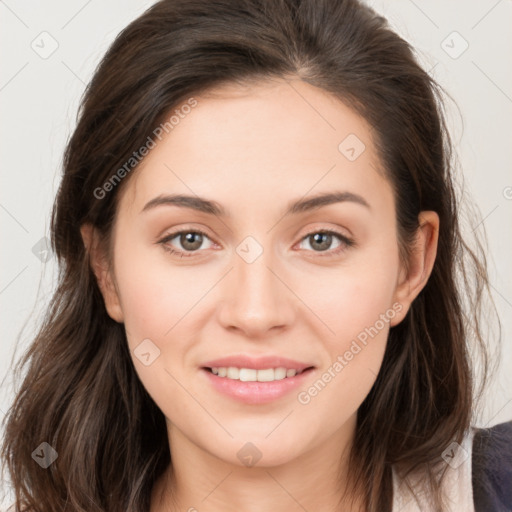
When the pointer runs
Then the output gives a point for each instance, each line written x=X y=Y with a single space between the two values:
x=102 y=271
x=421 y=261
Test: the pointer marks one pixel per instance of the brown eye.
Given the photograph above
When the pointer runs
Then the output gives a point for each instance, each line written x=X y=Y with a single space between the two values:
x=188 y=242
x=191 y=241
x=322 y=241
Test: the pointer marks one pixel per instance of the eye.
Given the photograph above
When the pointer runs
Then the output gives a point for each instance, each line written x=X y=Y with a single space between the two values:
x=321 y=241
x=190 y=240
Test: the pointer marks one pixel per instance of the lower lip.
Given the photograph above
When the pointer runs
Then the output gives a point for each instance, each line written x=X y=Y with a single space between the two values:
x=256 y=393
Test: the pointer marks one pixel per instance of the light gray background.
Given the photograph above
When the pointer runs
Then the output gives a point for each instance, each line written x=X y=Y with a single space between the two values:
x=39 y=95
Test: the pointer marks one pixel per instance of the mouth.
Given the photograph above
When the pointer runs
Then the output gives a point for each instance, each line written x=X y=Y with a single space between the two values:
x=255 y=375
x=252 y=386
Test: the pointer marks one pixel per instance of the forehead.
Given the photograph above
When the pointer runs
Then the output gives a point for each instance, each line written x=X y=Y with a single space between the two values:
x=272 y=140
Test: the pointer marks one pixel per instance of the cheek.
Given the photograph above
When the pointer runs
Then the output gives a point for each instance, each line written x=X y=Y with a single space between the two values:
x=360 y=317
x=155 y=295
x=360 y=320
x=354 y=296
x=157 y=300
x=357 y=304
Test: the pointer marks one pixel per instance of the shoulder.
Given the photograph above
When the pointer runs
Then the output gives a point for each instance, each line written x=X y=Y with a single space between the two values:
x=492 y=468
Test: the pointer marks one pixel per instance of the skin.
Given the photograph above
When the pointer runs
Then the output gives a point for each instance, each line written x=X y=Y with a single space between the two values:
x=253 y=149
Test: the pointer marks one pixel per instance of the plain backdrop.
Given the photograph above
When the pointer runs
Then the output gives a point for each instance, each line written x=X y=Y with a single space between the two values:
x=51 y=48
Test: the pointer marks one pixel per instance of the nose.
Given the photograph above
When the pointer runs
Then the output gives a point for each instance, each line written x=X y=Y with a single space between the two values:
x=257 y=298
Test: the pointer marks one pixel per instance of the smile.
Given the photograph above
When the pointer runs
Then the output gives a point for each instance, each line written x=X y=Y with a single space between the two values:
x=252 y=390
x=252 y=375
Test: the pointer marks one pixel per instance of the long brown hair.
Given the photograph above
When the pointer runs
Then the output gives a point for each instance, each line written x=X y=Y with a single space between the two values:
x=81 y=393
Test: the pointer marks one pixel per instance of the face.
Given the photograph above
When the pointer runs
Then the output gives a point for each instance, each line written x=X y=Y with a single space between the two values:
x=319 y=284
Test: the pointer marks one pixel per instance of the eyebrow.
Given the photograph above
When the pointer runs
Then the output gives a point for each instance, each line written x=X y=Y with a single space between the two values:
x=213 y=208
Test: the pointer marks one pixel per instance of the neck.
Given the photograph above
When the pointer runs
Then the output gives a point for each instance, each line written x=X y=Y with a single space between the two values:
x=199 y=481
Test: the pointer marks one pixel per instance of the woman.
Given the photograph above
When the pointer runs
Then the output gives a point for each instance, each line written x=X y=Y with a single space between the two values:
x=260 y=304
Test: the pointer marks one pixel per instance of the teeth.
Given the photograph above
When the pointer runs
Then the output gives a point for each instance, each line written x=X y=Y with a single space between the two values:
x=251 y=375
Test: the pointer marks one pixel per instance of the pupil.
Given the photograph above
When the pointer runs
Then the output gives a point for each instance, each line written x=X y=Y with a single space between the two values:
x=327 y=239
x=188 y=241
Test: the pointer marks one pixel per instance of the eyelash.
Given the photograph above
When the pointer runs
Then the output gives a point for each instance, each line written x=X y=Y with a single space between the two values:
x=345 y=242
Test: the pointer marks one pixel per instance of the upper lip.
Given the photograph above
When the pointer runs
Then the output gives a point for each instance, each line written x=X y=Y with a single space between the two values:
x=256 y=363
